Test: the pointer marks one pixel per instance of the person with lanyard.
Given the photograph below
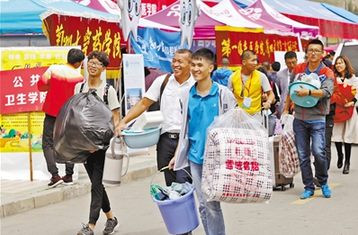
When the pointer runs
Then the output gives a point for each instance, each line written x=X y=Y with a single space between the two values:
x=247 y=84
x=309 y=123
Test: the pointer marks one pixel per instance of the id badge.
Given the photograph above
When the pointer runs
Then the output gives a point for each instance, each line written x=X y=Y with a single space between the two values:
x=247 y=102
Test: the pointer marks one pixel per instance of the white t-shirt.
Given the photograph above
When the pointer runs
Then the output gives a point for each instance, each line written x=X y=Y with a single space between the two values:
x=169 y=103
x=113 y=102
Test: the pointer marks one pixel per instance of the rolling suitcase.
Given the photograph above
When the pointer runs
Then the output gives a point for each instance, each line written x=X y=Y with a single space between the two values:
x=279 y=180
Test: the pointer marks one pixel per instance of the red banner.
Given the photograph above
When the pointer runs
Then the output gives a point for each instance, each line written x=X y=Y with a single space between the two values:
x=232 y=43
x=329 y=28
x=19 y=90
x=89 y=34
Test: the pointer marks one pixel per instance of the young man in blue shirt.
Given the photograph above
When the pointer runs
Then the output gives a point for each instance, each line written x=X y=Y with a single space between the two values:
x=205 y=100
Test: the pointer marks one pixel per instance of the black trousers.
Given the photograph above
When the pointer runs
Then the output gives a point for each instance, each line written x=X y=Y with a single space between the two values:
x=99 y=199
x=165 y=152
x=47 y=147
x=328 y=136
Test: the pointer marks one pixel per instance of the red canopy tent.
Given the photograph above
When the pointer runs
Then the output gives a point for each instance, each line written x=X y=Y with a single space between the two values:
x=262 y=11
x=313 y=13
x=101 y=5
x=206 y=22
x=230 y=9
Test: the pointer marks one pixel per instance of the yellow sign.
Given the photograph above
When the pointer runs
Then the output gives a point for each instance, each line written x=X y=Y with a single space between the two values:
x=15 y=135
x=32 y=57
x=14 y=127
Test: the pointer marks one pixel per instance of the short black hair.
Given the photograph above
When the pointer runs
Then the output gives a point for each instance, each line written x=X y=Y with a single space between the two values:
x=184 y=51
x=75 y=55
x=290 y=55
x=99 y=55
x=204 y=53
x=224 y=62
x=246 y=54
x=276 y=66
x=263 y=70
x=266 y=64
x=316 y=41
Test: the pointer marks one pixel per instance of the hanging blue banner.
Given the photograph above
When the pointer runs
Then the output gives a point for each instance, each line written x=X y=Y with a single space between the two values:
x=158 y=47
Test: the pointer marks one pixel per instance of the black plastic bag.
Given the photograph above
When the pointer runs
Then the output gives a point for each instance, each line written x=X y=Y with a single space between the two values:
x=84 y=123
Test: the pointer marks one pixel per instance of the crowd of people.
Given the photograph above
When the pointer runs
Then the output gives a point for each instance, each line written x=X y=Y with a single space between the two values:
x=192 y=96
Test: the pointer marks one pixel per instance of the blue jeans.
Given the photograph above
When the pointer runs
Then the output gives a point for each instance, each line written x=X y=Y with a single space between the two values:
x=210 y=211
x=304 y=132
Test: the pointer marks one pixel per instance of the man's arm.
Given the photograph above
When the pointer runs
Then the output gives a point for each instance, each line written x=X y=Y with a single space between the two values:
x=135 y=111
x=287 y=105
x=116 y=119
x=44 y=82
x=270 y=99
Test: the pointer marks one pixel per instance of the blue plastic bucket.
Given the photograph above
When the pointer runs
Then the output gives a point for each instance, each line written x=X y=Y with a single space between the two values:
x=179 y=215
x=304 y=101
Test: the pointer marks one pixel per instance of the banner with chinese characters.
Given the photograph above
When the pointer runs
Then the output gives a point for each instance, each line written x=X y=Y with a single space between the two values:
x=90 y=34
x=20 y=101
x=150 y=7
x=157 y=47
x=32 y=57
x=231 y=42
x=19 y=91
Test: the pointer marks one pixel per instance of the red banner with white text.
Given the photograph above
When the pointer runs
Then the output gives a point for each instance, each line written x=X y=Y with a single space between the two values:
x=19 y=91
x=231 y=43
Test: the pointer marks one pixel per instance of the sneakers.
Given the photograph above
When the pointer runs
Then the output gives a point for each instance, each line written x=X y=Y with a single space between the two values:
x=110 y=225
x=67 y=180
x=326 y=191
x=306 y=194
x=54 y=181
x=85 y=230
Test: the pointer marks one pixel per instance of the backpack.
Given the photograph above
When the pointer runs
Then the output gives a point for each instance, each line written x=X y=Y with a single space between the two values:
x=105 y=92
x=156 y=105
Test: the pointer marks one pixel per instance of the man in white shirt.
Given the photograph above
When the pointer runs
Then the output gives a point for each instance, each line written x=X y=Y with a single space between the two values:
x=283 y=79
x=178 y=82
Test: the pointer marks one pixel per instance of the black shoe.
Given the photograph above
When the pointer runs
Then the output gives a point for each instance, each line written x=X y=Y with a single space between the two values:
x=85 y=230
x=346 y=169
x=67 y=180
x=54 y=181
x=340 y=161
x=110 y=225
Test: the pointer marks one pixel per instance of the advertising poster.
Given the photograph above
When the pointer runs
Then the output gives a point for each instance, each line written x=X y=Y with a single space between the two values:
x=21 y=105
x=21 y=68
x=134 y=84
x=133 y=69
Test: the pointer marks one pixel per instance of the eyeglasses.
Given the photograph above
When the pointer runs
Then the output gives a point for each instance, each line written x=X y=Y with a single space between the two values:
x=95 y=64
x=314 y=51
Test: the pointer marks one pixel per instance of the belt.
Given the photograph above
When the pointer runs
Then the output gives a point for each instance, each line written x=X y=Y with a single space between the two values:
x=172 y=135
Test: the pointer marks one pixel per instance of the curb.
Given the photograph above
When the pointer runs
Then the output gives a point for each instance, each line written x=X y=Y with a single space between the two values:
x=61 y=193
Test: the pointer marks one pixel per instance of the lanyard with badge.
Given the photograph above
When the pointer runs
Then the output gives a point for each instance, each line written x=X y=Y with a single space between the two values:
x=247 y=100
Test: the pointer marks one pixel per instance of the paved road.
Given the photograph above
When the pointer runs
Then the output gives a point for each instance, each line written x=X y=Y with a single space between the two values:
x=139 y=215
